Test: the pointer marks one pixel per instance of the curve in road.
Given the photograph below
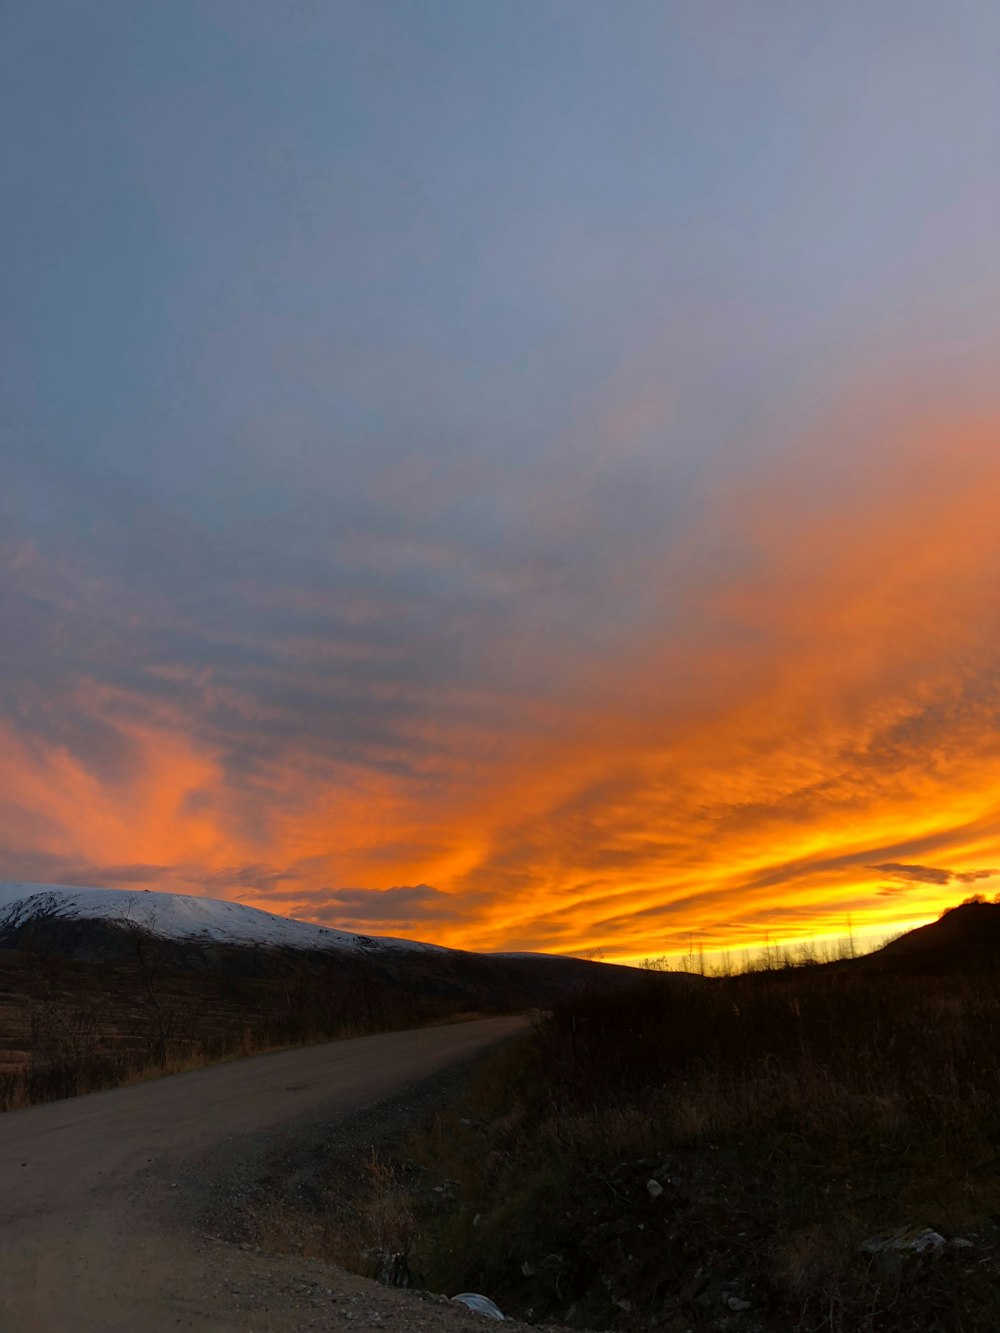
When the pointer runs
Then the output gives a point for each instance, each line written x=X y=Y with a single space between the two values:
x=86 y=1240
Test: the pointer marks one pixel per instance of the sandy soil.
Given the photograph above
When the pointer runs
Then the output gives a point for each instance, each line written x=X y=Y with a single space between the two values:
x=94 y=1194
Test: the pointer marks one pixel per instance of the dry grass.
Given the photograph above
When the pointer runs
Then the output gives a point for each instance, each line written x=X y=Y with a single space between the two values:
x=372 y=1234
x=71 y=1028
x=388 y=1225
x=31 y=1082
x=786 y=1116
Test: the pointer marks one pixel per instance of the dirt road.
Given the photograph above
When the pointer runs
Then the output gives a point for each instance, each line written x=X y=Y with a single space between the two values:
x=91 y=1239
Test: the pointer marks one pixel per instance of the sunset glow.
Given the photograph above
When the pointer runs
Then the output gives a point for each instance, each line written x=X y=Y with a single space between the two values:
x=577 y=570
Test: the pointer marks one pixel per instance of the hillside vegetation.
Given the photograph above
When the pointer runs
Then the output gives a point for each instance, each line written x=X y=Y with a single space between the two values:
x=804 y=1149
x=90 y=1003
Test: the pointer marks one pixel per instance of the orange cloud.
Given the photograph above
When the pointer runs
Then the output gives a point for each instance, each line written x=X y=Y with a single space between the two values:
x=826 y=687
x=811 y=697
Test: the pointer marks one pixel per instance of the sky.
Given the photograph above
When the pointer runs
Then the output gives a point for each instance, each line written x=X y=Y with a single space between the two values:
x=516 y=475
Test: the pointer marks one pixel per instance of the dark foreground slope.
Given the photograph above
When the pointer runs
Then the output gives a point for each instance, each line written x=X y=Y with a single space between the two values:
x=814 y=1148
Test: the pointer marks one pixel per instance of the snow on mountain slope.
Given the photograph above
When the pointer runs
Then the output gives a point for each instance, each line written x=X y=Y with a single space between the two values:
x=179 y=916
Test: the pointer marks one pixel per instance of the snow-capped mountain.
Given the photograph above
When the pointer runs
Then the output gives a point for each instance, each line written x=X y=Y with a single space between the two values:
x=179 y=916
x=203 y=939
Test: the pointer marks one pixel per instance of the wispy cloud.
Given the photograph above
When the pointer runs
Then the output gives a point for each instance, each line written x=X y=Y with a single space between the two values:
x=408 y=910
x=931 y=874
x=779 y=740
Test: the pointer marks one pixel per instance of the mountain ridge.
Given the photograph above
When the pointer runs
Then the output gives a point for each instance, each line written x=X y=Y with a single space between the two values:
x=180 y=916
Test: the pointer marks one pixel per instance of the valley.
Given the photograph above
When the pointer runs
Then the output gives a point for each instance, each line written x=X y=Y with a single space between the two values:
x=100 y=987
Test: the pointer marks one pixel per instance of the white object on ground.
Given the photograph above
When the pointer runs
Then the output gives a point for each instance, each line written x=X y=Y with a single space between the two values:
x=481 y=1304
x=905 y=1242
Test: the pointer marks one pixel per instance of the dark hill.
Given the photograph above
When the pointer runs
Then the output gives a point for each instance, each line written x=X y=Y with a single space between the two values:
x=967 y=935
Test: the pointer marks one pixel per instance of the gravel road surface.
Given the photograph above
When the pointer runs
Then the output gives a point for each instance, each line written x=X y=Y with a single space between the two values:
x=93 y=1237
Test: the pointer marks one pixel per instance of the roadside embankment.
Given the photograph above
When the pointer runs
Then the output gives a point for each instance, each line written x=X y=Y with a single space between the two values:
x=787 y=1151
